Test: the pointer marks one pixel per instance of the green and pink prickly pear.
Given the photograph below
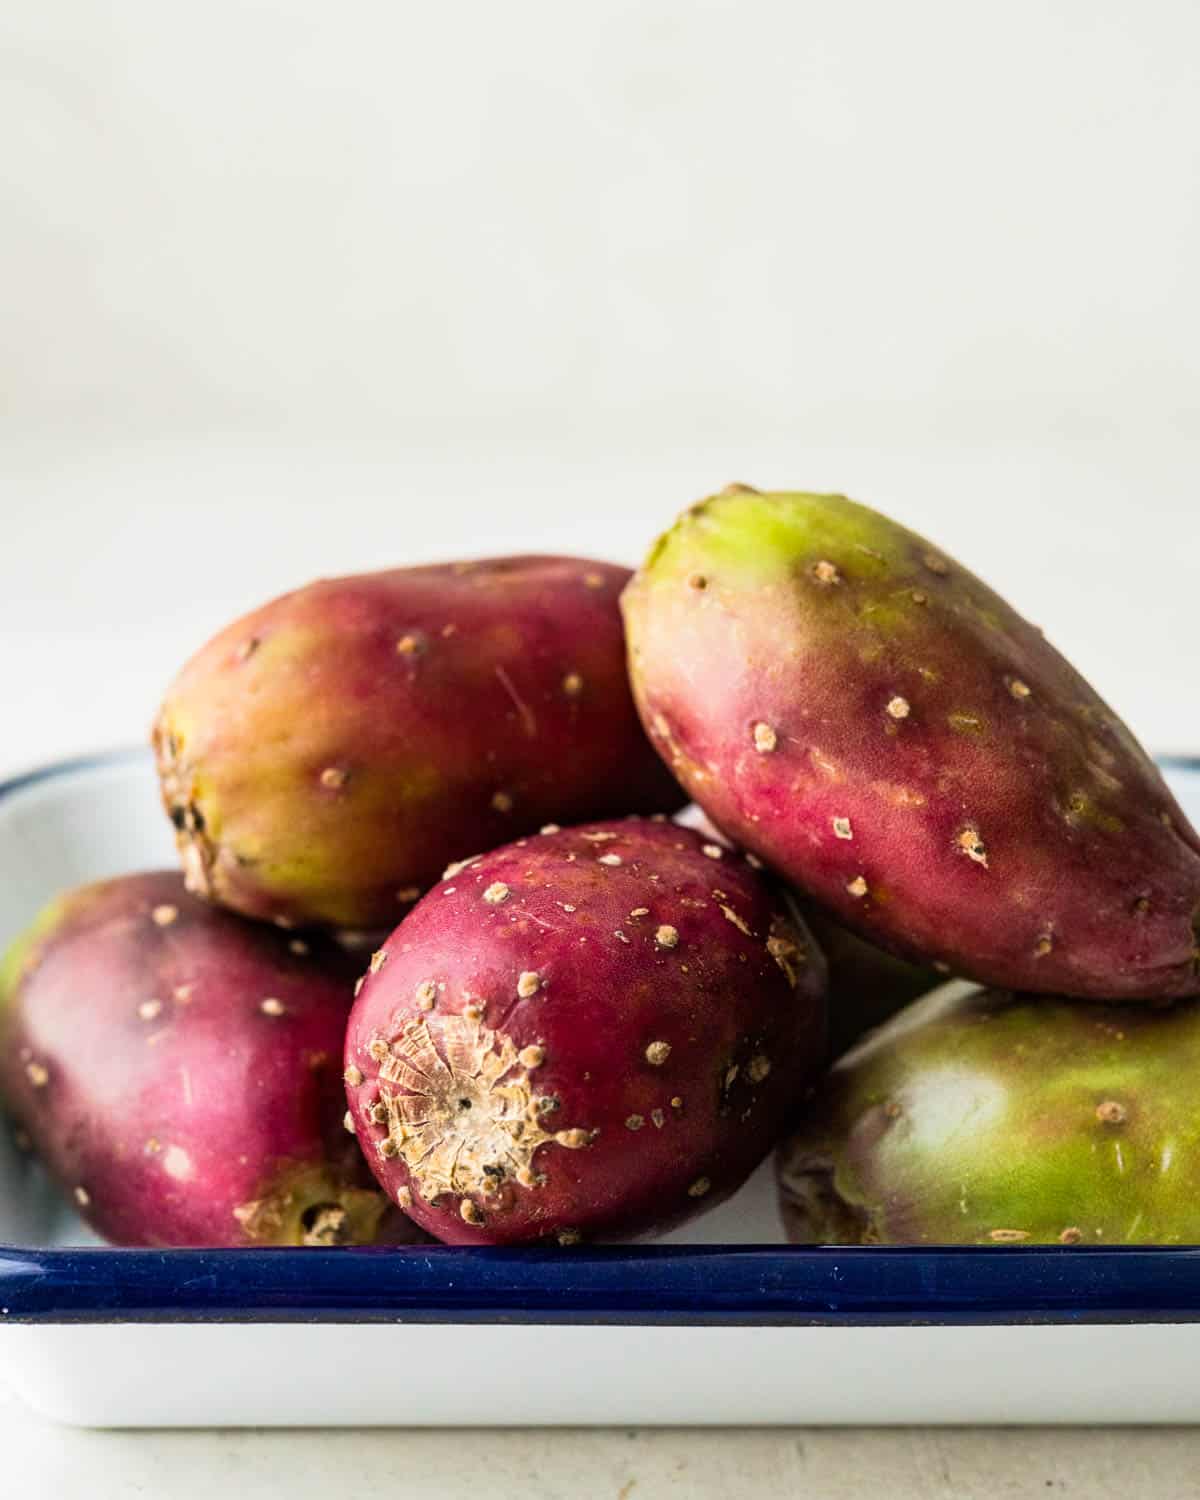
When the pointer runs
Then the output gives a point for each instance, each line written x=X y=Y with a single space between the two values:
x=179 y=1071
x=989 y=1118
x=323 y=758
x=875 y=723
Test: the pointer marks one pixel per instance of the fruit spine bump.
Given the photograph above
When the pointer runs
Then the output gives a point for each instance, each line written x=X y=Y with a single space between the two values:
x=880 y=727
x=178 y=1070
x=322 y=758
x=595 y=1032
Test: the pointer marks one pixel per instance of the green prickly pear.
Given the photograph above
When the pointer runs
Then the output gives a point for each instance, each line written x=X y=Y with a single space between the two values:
x=989 y=1118
x=880 y=727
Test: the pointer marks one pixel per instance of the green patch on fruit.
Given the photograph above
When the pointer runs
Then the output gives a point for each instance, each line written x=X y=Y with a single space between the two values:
x=23 y=953
x=1080 y=808
x=310 y=1206
x=748 y=534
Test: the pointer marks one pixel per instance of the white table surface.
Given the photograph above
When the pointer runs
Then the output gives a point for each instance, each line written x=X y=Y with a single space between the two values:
x=119 y=560
x=41 y=1460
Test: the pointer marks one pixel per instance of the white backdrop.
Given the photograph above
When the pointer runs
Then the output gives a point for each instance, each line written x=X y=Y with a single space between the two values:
x=289 y=287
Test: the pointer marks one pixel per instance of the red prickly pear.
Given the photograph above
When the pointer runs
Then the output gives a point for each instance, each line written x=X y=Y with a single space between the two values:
x=179 y=1071
x=875 y=723
x=324 y=757
x=989 y=1118
x=590 y=1034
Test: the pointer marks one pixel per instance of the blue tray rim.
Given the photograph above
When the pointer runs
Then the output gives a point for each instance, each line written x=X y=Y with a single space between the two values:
x=656 y=1285
x=663 y=1285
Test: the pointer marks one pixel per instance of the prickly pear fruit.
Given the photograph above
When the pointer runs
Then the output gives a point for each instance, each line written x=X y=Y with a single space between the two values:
x=589 y=1034
x=867 y=985
x=988 y=1118
x=875 y=723
x=323 y=758
x=179 y=1071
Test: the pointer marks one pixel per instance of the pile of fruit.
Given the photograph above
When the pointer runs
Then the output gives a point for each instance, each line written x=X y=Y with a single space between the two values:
x=582 y=1019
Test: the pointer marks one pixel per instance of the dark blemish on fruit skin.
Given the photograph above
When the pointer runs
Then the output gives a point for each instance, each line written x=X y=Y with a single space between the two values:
x=188 y=818
x=971 y=844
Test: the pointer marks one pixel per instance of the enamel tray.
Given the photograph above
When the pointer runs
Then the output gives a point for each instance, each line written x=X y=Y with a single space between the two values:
x=720 y=1323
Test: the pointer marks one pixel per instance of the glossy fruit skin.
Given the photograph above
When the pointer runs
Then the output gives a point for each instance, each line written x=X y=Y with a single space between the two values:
x=988 y=1118
x=324 y=757
x=880 y=727
x=590 y=1034
x=178 y=1069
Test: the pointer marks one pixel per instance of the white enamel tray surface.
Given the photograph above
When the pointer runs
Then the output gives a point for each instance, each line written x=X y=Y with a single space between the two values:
x=101 y=817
